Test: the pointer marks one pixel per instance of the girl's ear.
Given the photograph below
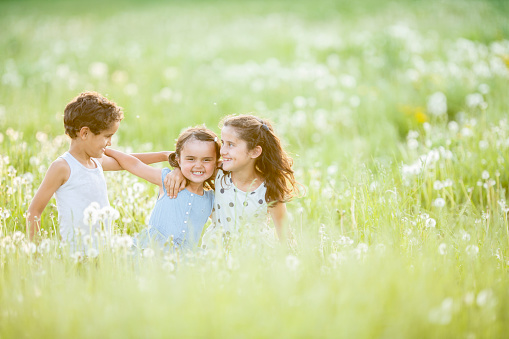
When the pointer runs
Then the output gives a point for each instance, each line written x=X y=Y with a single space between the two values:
x=84 y=132
x=256 y=152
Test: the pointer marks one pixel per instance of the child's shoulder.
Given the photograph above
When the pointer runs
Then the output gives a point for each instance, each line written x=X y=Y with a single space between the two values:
x=59 y=170
x=60 y=164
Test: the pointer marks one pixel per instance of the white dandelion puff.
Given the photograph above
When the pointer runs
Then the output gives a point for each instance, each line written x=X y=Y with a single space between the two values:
x=92 y=252
x=437 y=185
x=475 y=100
x=431 y=223
x=472 y=250
x=148 y=253
x=439 y=202
x=292 y=262
x=442 y=249
x=485 y=175
x=437 y=104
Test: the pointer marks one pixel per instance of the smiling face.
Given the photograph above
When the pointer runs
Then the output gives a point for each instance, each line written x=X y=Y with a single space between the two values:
x=197 y=160
x=97 y=143
x=236 y=156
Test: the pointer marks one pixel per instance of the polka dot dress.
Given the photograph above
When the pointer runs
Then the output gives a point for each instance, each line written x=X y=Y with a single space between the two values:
x=234 y=208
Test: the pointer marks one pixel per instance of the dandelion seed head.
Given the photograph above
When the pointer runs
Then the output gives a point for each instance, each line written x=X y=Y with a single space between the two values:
x=148 y=253
x=439 y=202
x=442 y=249
x=430 y=223
x=437 y=104
x=292 y=262
x=472 y=250
x=92 y=252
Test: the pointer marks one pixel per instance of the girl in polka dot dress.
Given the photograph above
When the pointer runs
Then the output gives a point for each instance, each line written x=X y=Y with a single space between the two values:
x=256 y=178
x=182 y=219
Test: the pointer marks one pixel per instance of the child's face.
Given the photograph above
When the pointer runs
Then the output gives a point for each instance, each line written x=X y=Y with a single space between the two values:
x=197 y=160
x=97 y=143
x=234 y=151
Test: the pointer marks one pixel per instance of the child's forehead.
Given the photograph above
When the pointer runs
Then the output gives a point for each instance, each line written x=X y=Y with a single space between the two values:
x=112 y=128
x=228 y=132
x=196 y=146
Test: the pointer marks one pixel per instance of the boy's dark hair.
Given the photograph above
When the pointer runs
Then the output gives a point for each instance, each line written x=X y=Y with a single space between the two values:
x=200 y=133
x=274 y=164
x=92 y=110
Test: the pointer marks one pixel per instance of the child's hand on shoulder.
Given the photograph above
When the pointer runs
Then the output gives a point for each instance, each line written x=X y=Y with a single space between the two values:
x=174 y=183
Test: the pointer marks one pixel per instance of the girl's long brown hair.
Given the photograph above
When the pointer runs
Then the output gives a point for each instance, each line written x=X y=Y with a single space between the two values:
x=274 y=164
x=200 y=133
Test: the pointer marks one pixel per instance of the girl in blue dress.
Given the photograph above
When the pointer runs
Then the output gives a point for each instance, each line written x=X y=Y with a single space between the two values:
x=179 y=222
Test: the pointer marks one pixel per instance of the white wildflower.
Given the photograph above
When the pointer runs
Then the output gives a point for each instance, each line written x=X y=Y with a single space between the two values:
x=44 y=246
x=91 y=214
x=292 y=262
x=29 y=248
x=148 y=253
x=168 y=266
x=299 y=102
x=98 y=69
x=442 y=315
x=437 y=104
x=486 y=298
x=92 y=252
x=108 y=213
x=430 y=223
x=18 y=236
x=412 y=144
x=465 y=236
x=362 y=247
x=474 y=100
x=483 y=144
x=484 y=88
x=77 y=256
x=125 y=241
x=442 y=249
x=453 y=126
x=472 y=250
x=469 y=298
x=439 y=202
x=485 y=175
x=447 y=183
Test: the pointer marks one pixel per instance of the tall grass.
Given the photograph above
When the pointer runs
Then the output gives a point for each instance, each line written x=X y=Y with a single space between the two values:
x=395 y=114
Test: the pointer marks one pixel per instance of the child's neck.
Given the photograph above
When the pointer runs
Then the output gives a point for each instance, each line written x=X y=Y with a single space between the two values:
x=246 y=180
x=79 y=154
x=196 y=188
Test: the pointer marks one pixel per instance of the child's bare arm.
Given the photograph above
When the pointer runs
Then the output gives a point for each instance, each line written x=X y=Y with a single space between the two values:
x=278 y=214
x=58 y=173
x=135 y=166
x=111 y=164
x=174 y=182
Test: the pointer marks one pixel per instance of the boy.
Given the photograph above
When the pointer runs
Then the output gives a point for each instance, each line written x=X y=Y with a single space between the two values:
x=76 y=178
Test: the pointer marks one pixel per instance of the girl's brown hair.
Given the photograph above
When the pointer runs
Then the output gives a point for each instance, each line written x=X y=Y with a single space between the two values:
x=200 y=133
x=274 y=164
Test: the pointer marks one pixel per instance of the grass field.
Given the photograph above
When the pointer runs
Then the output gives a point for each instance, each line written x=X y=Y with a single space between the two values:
x=394 y=112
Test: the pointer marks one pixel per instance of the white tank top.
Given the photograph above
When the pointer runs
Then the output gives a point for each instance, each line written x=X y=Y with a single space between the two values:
x=84 y=186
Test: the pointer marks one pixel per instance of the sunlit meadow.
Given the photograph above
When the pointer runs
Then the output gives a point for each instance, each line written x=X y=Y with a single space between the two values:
x=396 y=114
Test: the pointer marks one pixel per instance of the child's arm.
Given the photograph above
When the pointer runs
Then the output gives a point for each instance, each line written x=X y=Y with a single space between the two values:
x=278 y=214
x=58 y=173
x=135 y=166
x=111 y=164
x=174 y=182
